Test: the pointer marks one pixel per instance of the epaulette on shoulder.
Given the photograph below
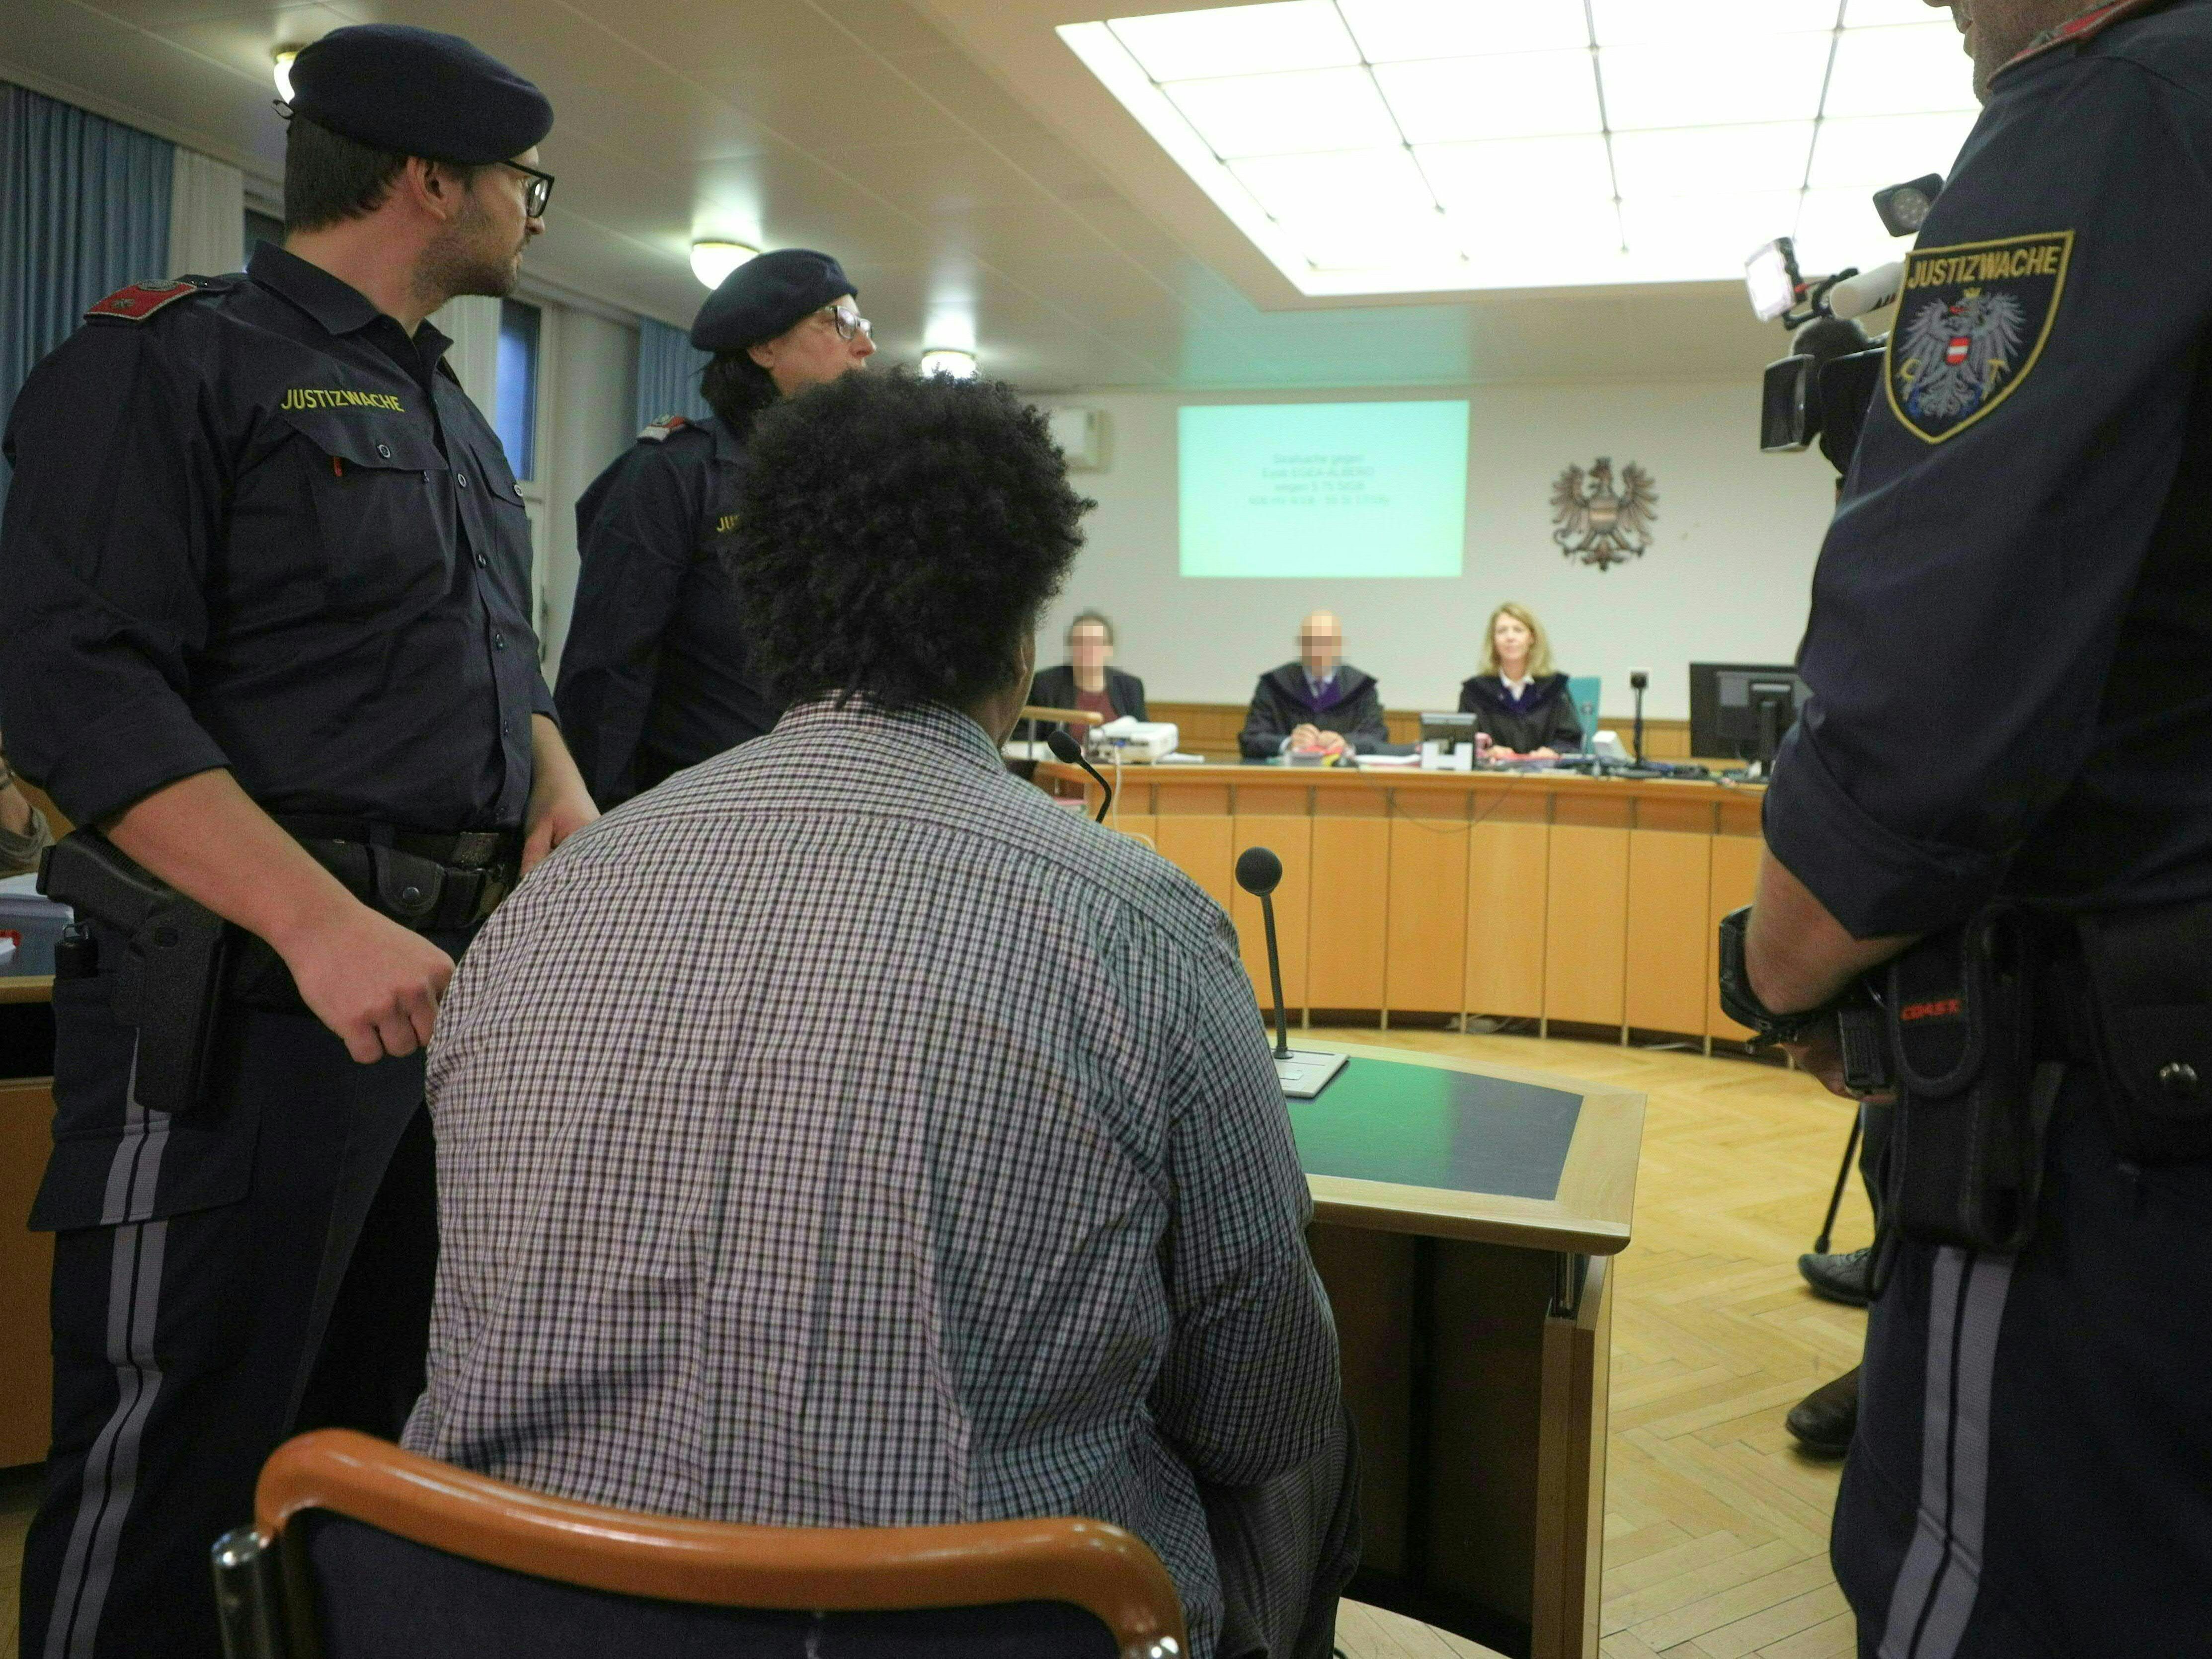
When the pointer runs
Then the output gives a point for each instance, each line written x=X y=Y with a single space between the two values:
x=142 y=301
x=658 y=432
x=2080 y=30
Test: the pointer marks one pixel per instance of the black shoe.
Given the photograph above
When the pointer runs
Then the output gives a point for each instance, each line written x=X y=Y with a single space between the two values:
x=1825 y=1420
x=1840 y=1278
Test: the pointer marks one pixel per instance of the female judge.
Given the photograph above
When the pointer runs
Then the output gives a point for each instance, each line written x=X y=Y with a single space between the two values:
x=1519 y=703
x=1085 y=680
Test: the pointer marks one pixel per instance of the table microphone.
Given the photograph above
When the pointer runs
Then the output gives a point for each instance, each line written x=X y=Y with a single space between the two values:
x=1259 y=873
x=1070 y=753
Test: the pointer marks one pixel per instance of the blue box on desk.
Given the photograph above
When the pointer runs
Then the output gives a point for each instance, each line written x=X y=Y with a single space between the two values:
x=30 y=926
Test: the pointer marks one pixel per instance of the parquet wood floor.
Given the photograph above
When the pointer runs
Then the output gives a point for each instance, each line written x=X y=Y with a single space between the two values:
x=1717 y=1530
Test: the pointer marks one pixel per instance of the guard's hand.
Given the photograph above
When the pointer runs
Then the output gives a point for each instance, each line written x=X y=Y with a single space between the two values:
x=1821 y=1054
x=372 y=981
x=553 y=821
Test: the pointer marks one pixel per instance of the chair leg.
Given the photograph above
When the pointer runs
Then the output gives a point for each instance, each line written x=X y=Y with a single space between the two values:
x=249 y=1603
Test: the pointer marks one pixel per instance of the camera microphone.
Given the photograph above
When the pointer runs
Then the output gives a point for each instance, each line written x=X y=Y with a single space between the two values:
x=1070 y=753
x=1855 y=296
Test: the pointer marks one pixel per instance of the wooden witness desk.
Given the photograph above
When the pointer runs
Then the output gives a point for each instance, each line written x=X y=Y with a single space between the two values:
x=1531 y=896
x=27 y=1259
x=1464 y=1222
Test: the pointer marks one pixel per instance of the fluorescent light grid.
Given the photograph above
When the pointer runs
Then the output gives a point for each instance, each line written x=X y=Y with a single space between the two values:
x=1320 y=114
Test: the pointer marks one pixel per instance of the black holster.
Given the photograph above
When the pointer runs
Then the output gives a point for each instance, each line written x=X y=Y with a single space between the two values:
x=2150 y=986
x=176 y=953
x=1965 y=1161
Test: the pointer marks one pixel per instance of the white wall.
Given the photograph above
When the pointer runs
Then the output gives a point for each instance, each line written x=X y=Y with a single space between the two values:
x=1726 y=578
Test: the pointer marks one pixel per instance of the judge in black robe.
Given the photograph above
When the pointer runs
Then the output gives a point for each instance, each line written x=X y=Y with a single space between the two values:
x=1320 y=700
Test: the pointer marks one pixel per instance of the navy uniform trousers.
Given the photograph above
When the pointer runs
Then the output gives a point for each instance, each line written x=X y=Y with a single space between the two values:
x=2032 y=1474
x=193 y=1338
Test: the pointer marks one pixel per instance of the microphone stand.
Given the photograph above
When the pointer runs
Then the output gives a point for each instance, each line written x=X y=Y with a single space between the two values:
x=1275 y=973
x=1070 y=752
x=1637 y=679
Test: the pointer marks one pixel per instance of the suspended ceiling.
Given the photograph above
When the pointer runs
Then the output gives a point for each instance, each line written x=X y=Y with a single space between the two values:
x=953 y=154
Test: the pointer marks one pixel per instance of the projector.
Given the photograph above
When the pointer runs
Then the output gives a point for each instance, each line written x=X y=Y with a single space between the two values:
x=1130 y=740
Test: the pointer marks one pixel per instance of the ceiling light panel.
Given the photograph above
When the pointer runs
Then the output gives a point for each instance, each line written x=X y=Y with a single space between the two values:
x=1305 y=110
x=1525 y=95
x=1708 y=22
x=1865 y=153
x=1394 y=31
x=1766 y=156
x=1687 y=83
x=1193 y=45
x=1409 y=146
x=1900 y=71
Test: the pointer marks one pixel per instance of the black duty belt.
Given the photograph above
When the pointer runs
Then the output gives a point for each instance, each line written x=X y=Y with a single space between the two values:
x=432 y=882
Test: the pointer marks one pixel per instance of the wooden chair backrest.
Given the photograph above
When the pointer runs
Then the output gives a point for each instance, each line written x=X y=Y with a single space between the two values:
x=1109 y=1572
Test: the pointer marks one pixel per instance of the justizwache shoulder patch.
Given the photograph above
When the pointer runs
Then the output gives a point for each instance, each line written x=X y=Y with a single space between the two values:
x=1971 y=322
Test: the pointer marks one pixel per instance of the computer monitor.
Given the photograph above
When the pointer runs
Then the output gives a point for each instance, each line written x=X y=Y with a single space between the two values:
x=1742 y=709
x=1447 y=728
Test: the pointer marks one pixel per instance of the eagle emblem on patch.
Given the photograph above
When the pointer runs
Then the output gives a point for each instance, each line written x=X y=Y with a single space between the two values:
x=1971 y=322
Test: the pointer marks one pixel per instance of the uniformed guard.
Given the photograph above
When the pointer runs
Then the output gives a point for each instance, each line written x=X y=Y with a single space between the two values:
x=267 y=625
x=655 y=672
x=2001 y=794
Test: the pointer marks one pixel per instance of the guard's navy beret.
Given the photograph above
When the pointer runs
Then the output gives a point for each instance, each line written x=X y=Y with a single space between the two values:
x=766 y=295
x=418 y=92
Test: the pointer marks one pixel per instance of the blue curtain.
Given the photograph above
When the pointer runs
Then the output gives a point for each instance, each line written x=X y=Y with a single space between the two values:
x=668 y=367
x=84 y=208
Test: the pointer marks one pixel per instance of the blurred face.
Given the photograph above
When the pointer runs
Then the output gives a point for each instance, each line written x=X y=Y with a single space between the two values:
x=480 y=249
x=814 y=351
x=1320 y=644
x=1088 y=647
x=1512 y=638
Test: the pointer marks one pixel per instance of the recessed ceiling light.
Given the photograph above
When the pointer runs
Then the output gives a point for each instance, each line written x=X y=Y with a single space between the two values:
x=957 y=365
x=1401 y=146
x=712 y=262
x=282 y=68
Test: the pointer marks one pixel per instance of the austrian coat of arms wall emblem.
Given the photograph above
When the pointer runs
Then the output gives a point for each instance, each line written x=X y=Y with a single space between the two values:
x=1600 y=522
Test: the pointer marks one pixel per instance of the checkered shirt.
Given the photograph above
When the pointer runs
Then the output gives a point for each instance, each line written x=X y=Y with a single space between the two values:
x=843 y=1134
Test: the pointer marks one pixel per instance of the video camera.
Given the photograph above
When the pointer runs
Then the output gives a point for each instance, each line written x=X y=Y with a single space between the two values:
x=1823 y=389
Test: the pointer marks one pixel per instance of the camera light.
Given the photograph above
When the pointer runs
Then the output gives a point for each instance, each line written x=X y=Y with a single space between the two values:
x=1771 y=275
x=1904 y=208
x=711 y=261
x=960 y=365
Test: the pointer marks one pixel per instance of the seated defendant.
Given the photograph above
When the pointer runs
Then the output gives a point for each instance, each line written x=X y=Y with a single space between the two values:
x=1318 y=704
x=845 y=1134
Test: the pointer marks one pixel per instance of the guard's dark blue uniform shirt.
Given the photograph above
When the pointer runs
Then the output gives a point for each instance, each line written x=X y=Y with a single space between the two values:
x=265 y=529
x=2010 y=646
x=655 y=674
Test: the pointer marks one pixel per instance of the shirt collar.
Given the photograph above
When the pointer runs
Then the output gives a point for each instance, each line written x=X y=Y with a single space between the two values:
x=1321 y=682
x=336 y=303
x=933 y=725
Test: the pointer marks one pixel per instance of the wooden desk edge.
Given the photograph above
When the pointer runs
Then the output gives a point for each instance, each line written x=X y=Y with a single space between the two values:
x=27 y=987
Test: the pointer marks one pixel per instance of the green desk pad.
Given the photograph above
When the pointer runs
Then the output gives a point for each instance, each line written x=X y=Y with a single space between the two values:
x=1423 y=1126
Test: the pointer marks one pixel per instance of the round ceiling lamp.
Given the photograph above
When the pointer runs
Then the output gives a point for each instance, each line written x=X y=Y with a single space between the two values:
x=282 y=68
x=712 y=262
x=959 y=365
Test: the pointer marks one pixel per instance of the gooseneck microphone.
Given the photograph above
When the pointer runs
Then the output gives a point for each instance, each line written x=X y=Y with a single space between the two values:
x=1259 y=873
x=1070 y=753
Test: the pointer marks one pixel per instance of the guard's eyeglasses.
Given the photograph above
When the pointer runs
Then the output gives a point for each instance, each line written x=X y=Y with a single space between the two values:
x=537 y=192
x=848 y=322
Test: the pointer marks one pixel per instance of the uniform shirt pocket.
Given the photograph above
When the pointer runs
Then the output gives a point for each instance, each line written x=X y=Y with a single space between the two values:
x=383 y=508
